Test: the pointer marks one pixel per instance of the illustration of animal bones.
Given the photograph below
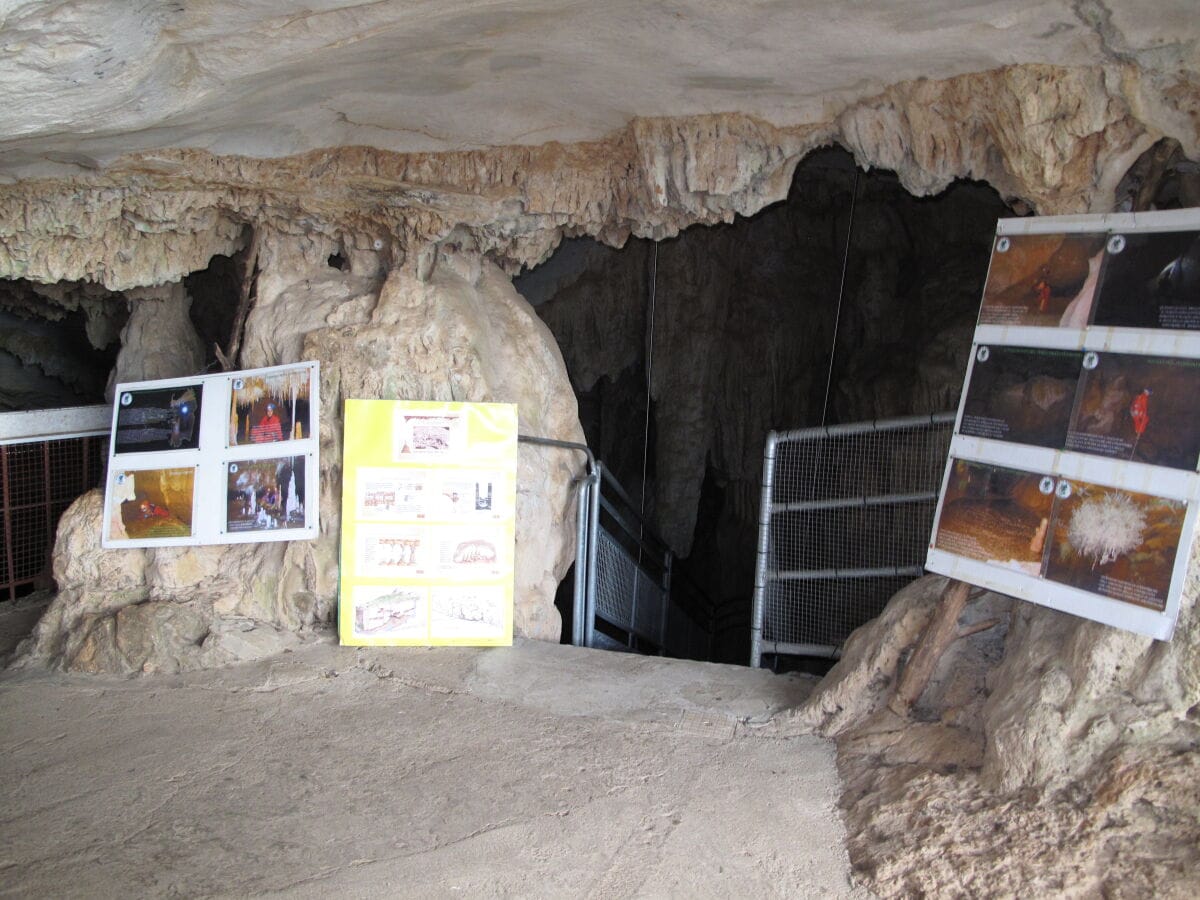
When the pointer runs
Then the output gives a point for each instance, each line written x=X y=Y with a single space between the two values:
x=475 y=552
x=403 y=551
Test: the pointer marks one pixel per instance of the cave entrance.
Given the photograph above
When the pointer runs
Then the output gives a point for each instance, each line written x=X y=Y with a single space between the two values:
x=685 y=353
x=59 y=344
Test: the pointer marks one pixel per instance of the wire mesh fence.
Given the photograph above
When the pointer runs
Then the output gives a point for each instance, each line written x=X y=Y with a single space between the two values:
x=844 y=524
x=38 y=481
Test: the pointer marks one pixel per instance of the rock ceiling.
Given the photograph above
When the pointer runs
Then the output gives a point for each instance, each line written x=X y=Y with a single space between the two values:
x=507 y=124
x=86 y=81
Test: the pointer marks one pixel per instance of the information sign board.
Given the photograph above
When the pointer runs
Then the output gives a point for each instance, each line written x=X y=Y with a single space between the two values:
x=428 y=519
x=214 y=459
x=1072 y=478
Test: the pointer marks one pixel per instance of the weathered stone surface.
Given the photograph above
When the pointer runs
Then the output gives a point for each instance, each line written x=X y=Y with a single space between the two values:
x=1051 y=724
x=865 y=676
x=1056 y=137
x=91 y=582
x=158 y=340
x=168 y=608
x=86 y=82
x=464 y=333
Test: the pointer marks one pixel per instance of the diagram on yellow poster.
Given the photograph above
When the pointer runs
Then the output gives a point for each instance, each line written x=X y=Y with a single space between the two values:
x=428 y=523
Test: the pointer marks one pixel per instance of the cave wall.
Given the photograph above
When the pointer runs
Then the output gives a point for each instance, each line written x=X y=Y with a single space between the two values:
x=454 y=331
x=57 y=343
x=1056 y=139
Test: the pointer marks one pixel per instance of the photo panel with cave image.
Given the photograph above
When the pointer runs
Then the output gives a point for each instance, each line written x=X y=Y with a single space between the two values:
x=1139 y=409
x=146 y=504
x=1115 y=543
x=401 y=613
x=1021 y=394
x=467 y=611
x=996 y=515
x=269 y=408
x=1042 y=279
x=265 y=495
x=158 y=419
x=1151 y=280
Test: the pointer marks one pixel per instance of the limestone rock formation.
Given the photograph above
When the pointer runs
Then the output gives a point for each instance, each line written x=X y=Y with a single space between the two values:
x=1051 y=723
x=157 y=610
x=651 y=178
x=743 y=328
x=463 y=333
x=159 y=340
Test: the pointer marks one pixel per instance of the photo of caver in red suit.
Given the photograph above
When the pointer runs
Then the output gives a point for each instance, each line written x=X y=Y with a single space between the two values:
x=1139 y=411
x=268 y=429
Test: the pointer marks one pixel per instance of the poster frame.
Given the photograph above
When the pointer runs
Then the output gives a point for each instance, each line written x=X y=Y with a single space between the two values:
x=210 y=459
x=381 y=454
x=1139 y=477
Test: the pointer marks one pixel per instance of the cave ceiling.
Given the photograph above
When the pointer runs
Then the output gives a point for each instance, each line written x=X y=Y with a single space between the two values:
x=88 y=81
x=515 y=123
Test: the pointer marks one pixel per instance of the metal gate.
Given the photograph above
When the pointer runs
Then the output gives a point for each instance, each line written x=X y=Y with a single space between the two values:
x=845 y=520
x=47 y=459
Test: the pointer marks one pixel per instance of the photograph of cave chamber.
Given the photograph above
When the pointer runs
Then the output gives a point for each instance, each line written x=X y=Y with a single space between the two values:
x=1021 y=394
x=996 y=515
x=1139 y=408
x=150 y=503
x=1042 y=279
x=265 y=494
x=1151 y=281
x=269 y=408
x=1120 y=544
x=159 y=419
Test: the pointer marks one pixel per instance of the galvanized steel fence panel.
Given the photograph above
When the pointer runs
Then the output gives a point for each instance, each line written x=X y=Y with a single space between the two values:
x=845 y=519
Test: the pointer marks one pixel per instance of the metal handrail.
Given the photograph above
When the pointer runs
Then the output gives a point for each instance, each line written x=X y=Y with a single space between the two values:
x=632 y=528
x=587 y=527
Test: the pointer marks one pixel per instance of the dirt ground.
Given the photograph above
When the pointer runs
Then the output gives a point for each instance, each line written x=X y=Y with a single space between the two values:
x=536 y=770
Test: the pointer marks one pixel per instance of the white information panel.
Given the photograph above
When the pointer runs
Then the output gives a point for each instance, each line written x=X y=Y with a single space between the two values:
x=1072 y=479
x=215 y=459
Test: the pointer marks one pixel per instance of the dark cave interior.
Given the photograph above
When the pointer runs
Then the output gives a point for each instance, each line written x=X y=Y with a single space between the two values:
x=736 y=324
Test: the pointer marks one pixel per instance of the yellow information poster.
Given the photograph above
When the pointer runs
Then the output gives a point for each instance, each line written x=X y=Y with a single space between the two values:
x=428 y=519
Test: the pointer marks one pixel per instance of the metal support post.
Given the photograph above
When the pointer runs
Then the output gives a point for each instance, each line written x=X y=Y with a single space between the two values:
x=760 y=564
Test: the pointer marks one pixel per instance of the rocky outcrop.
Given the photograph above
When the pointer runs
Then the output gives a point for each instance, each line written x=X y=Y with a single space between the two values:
x=159 y=610
x=459 y=331
x=1055 y=138
x=1050 y=723
x=456 y=332
x=442 y=228
x=158 y=340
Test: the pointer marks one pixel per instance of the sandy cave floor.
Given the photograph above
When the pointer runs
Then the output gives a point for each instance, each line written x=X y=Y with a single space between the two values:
x=536 y=770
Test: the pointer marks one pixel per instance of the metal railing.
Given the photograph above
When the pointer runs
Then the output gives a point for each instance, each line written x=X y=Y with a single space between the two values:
x=844 y=523
x=47 y=459
x=625 y=575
